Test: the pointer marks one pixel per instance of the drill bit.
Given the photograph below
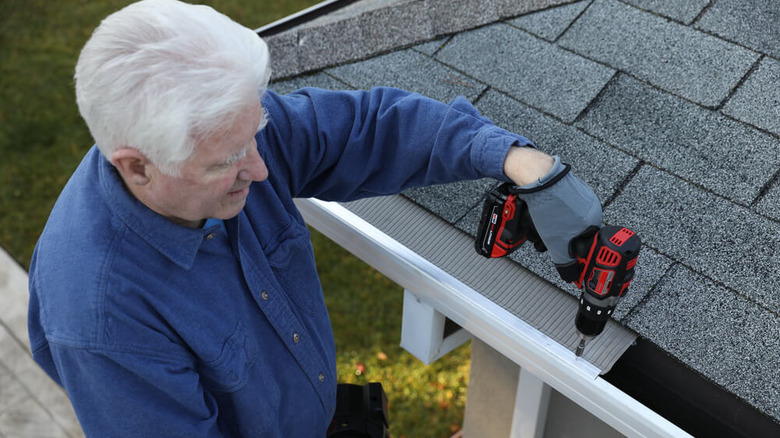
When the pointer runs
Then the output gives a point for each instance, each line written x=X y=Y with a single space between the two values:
x=580 y=348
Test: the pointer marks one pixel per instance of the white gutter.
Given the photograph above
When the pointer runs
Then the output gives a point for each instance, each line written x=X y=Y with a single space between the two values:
x=529 y=348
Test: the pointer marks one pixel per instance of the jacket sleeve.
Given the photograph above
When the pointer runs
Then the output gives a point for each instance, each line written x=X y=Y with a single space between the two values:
x=124 y=394
x=343 y=145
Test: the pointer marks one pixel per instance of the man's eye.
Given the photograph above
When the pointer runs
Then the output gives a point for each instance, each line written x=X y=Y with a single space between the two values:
x=222 y=167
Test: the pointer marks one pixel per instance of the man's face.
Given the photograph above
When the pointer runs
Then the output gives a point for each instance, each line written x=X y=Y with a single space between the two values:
x=214 y=182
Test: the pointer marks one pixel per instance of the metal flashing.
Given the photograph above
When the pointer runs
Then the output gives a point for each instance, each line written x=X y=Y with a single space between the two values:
x=302 y=17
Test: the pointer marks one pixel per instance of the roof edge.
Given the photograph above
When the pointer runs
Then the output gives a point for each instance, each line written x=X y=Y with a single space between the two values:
x=685 y=397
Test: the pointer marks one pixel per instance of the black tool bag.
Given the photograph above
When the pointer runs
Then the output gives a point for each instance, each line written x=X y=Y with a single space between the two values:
x=361 y=412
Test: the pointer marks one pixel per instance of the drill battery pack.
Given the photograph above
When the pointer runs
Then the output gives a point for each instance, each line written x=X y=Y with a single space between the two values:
x=504 y=224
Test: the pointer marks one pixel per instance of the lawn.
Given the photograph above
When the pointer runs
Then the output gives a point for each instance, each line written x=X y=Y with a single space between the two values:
x=42 y=140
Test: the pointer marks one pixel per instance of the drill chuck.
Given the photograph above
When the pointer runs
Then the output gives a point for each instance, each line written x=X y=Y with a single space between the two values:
x=590 y=322
x=593 y=314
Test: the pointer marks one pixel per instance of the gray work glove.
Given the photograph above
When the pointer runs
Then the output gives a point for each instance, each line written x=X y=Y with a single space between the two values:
x=562 y=207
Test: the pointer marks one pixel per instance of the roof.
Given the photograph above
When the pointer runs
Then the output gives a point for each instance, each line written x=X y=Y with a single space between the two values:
x=669 y=110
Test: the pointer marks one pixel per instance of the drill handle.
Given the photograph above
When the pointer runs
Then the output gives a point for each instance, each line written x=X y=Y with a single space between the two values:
x=608 y=267
x=604 y=260
x=579 y=248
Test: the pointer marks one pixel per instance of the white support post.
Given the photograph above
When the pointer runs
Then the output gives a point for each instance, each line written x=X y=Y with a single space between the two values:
x=426 y=333
x=531 y=403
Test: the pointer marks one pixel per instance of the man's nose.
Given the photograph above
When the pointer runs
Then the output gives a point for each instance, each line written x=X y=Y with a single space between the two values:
x=253 y=167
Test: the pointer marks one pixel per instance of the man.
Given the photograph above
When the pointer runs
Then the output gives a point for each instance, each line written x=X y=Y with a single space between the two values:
x=173 y=290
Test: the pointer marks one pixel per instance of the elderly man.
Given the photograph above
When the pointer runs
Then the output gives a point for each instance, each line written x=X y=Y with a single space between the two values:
x=173 y=290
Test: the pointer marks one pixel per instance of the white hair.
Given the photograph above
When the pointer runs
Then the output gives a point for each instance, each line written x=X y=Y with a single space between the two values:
x=159 y=75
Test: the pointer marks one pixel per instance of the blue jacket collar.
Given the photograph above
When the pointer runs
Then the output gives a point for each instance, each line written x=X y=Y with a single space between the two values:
x=176 y=242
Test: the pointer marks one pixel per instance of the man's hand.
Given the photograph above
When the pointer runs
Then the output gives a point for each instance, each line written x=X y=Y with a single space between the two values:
x=524 y=165
x=561 y=205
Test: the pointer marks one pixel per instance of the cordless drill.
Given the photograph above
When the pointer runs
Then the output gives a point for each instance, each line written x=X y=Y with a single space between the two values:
x=604 y=258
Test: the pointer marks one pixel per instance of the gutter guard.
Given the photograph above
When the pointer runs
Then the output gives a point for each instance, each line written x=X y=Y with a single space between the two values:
x=527 y=346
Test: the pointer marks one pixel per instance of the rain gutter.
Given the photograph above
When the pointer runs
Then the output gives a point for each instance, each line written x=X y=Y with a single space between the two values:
x=531 y=349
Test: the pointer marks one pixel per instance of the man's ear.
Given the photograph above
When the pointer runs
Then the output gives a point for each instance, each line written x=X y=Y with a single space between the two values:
x=132 y=165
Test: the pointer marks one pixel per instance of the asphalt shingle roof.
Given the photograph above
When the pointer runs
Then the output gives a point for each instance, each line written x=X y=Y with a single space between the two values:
x=669 y=110
x=671 y=56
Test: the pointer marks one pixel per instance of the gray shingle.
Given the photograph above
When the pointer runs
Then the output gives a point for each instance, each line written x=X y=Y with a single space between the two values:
x=451 y=201
x=470 y=221
x=700 y=145
x=396 y=26
x=319 y=80
x=601 y=166
x=550 y=23
x=674 y=57
x=362 y=29
x=330 y=42
x=431 y=47
x=457 y=15
x=682 y=11
x=411 y=71
x=770 y=203
x=513 y=8
x=283 y=50
x=531 y=70
x=754 y=23
x=757 y=101
x=716 y=332
x=713 y=236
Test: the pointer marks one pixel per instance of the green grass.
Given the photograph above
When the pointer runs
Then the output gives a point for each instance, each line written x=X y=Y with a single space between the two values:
x=42 y=140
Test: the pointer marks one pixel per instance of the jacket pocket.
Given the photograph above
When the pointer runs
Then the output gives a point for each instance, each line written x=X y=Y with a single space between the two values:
x=229 y=371
x=292 y=262
x=247 y=395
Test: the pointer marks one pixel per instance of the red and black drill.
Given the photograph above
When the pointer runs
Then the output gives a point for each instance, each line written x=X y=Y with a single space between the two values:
x=604 y=258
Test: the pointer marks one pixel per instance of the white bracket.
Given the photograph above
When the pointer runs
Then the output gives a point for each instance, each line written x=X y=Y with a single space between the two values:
x=427 y=334
x=531 y=403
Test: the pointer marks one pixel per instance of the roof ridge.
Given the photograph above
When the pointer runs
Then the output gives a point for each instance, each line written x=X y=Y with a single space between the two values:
x=370 y=27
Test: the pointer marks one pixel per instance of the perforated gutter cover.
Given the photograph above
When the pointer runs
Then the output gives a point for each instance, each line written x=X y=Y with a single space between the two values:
x=512 y=287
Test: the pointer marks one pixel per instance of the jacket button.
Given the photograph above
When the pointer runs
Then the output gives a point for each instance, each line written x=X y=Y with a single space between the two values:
x=210 y=236
x=322 y=377
x=264 y=295
x=296 y=338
